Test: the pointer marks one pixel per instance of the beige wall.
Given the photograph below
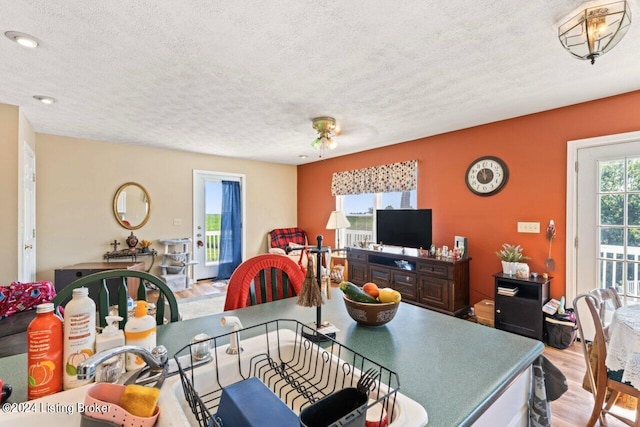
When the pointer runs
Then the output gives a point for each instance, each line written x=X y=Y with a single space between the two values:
x=77 y=180
x=9 y=125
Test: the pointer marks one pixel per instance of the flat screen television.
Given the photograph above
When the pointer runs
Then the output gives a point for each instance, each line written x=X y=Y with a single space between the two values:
x=409 y=228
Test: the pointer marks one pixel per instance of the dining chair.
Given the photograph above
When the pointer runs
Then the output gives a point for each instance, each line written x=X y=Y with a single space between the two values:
x=609 y=301
x=99 y=291
x=263 y=278
x=600 y=382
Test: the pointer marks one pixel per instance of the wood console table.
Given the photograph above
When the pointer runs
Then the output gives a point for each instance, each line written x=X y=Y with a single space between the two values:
x=440 y=285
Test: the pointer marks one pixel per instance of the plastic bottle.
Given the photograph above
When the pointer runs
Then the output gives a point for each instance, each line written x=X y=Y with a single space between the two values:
x=79 y=335
x=110 y=337
x=44 y=353
x=139 y=330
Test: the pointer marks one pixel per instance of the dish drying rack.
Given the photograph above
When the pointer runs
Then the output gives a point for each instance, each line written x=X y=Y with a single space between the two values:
x=299 y=373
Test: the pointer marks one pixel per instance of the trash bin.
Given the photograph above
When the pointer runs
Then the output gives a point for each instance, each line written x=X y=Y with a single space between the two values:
x=561 y=329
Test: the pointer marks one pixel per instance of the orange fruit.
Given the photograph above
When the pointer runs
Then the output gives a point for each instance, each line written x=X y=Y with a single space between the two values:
x=371 y=289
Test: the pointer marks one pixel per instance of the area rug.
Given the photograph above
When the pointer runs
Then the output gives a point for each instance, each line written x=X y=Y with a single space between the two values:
x=204 y=305
x=211 y=302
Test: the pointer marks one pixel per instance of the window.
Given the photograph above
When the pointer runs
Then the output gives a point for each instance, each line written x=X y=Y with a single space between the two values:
x=360 y=210
x=619 y=225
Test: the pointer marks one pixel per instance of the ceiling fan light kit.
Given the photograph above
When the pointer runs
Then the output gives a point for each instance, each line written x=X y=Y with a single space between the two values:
x=325 y=126
x=594 y=31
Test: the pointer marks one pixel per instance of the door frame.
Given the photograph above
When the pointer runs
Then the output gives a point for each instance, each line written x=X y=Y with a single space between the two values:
x=243 y=182
x=571 y=234
x=26 y=152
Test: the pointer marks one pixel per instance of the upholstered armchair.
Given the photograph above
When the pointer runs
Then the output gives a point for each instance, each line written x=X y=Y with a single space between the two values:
x=282 y=240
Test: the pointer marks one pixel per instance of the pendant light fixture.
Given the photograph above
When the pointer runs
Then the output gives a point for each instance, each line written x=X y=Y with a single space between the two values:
x=595 y=30
x=325 y=126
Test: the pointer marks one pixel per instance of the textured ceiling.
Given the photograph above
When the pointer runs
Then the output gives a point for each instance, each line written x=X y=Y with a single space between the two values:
x=245 y=78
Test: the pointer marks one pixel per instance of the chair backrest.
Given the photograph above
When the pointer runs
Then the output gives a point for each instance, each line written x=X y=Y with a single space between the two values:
x=99 y=281
x=261 y=279
x=281 y=237
x=590 y=317
x=608 y=301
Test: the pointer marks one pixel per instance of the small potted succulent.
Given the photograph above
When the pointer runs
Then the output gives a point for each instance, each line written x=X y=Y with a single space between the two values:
x=511 y=256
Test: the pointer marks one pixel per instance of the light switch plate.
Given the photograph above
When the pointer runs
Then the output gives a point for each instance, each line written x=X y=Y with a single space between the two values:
x=528 y=227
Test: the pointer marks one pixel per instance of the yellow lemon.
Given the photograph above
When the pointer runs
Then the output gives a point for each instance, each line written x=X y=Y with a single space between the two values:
x=389 y=295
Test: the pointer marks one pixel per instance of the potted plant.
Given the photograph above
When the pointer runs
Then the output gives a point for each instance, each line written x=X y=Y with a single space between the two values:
x=144 y=245
x=511 y=256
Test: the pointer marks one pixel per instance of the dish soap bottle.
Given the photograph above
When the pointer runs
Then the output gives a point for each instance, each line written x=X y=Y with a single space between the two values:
x=111 y=337
x=79 y=335
x=139 y=330
x=44 y=353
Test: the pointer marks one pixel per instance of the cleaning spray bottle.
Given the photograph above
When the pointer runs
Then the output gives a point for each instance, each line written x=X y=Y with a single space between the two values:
x=139 y=330
x=110 y=337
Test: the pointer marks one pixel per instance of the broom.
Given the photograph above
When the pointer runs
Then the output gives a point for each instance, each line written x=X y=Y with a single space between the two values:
x=310 y=294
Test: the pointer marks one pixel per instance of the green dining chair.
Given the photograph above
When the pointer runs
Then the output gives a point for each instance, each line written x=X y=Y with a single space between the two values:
x=99 y=284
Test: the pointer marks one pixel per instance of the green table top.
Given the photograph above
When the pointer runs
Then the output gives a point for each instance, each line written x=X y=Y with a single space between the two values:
x=452 y=367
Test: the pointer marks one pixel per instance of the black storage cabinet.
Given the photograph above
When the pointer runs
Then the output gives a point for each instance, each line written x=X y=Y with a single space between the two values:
x=522 y=313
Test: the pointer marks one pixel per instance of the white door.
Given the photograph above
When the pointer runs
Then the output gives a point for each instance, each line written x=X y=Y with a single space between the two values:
x=207 y=204
x=28 y=270
x=607 y=217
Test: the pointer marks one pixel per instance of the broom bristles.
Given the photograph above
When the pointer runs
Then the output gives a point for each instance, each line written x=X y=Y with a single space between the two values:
x=310 y=294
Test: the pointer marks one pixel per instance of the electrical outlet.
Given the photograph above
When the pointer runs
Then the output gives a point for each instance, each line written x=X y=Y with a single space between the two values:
x=177 y=221
x=528 y=227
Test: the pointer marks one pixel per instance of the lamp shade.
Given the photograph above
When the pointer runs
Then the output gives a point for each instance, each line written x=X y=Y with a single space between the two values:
x=337 y=220
x=596 y=30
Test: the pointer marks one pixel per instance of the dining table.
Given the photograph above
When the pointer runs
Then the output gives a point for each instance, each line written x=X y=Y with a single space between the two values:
x=623 y=351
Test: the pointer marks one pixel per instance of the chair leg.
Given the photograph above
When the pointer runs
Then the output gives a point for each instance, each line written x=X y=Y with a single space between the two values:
x=612 y=399
x=597 y=406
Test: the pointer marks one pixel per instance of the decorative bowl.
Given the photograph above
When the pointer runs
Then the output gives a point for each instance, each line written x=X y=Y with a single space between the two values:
x=371 y=314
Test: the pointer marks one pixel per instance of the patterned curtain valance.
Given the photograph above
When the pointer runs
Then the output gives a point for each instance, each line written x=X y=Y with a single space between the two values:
x=400 y=176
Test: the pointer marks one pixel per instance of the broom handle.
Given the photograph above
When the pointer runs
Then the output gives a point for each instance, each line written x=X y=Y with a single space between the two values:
x=319 y=278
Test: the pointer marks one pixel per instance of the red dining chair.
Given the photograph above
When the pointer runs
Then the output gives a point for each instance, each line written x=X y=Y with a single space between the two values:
x=263 y=278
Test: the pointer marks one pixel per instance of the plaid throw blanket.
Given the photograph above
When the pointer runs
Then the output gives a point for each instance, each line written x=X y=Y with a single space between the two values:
x=281 y=237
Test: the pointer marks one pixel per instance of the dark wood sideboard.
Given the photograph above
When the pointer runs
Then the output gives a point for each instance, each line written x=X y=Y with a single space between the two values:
x=440 y=285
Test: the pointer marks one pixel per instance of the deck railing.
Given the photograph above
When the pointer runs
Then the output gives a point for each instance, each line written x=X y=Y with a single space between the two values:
x=353 y=237
x=612 y=269
x=212 y=244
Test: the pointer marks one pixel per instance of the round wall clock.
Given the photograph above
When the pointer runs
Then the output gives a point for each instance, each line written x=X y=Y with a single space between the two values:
x=486 y=175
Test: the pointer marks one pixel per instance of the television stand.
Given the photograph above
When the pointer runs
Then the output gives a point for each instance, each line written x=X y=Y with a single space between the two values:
x=440 y=285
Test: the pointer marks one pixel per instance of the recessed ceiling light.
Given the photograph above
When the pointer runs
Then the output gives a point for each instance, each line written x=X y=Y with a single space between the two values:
x=303 y=156
x=45 y=99
x=22 y=39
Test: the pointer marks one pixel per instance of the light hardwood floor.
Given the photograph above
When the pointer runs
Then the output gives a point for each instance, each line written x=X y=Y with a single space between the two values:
x=574 y=407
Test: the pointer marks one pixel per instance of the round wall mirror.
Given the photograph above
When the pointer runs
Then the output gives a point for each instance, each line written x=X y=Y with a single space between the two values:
x=131 y=206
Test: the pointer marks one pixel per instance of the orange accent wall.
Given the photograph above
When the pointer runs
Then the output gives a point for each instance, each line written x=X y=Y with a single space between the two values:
x=535 y=150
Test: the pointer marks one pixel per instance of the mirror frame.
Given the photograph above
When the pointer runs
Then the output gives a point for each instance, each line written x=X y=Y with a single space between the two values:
x=115 y=206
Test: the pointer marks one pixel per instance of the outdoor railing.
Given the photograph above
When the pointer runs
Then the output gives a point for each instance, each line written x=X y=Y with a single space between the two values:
x=353 y=237
x=212 y=244
x=614 y=267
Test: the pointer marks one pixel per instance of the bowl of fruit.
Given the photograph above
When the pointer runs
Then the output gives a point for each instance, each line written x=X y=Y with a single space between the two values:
x=369 y=305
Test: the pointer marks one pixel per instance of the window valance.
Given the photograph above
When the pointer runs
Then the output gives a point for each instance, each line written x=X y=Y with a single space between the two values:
x=400 y=176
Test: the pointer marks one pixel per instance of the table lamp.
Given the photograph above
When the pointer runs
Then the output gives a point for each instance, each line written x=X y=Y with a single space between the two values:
x=337 y=221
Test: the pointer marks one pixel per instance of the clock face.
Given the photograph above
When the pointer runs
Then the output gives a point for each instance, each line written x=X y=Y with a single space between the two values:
x=487 y=175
